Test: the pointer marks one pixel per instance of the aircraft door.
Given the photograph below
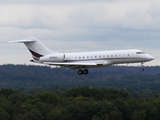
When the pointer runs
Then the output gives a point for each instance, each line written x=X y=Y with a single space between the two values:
x=64 y=57
x=144 y=57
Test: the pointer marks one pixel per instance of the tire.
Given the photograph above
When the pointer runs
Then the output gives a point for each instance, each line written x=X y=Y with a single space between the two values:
x=85 y=72
x=80 y=72
x=142 y=69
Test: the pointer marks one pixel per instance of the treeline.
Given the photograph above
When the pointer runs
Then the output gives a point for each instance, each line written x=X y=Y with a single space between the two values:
x=80 y=103
x=119 y=77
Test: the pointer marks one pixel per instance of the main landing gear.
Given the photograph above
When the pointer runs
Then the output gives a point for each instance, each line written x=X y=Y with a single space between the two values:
x=80 y=72
x=142 y=68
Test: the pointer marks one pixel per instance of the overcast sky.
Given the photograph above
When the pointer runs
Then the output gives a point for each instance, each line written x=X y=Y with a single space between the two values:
x=79 y=25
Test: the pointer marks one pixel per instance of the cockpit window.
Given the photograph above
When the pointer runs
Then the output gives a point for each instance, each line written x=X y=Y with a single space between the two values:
x=140 y=52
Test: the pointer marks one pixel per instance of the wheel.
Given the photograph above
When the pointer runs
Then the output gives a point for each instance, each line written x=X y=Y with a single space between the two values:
x=142 y=69
x=85 y=71
x=80 y=72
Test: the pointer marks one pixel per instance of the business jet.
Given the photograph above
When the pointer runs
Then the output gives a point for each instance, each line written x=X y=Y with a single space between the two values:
x=81 y=61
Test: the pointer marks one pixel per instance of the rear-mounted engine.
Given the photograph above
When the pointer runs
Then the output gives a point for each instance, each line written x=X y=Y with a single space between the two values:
x=53 y=58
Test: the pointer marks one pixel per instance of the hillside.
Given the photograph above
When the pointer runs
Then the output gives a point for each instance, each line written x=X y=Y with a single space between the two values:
x=118 y=77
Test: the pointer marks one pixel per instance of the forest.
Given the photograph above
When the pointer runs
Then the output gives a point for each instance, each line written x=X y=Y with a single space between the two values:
x=29 y=92
x=118 y=77
x=80 y=103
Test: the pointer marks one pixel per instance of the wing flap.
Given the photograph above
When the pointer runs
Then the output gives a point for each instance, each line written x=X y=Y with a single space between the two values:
x=55 y=63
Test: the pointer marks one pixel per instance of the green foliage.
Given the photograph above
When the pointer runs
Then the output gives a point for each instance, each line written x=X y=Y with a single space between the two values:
x=47 y=97
x=55 y=114
x=40 y=78
x=18 y=97
x=95 y=104
x=148 y=110
x=39 y=97
x=96 y=109
x=3 y=114
x=7 y=92
x=97 y=94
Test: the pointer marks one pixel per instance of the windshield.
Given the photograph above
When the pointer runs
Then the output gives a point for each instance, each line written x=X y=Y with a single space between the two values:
x=140 y=52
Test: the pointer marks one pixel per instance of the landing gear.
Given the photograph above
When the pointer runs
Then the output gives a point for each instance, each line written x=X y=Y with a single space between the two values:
x=80 y=72
x=85 y=71
x=142 y=68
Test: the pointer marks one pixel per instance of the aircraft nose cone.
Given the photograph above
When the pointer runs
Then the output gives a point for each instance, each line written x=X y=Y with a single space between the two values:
x=149 y=57
x=152 y=58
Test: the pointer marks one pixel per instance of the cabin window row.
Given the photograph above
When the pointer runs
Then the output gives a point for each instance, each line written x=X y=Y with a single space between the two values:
x=101 y=56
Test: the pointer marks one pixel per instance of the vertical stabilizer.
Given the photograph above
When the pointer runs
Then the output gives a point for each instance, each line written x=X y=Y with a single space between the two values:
x=36 y=48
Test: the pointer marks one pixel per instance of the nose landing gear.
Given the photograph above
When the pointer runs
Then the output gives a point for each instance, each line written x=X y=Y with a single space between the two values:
x=142 y=67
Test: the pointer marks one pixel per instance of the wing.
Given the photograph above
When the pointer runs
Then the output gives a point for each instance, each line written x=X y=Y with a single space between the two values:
x=76 y=65
x=71 y=65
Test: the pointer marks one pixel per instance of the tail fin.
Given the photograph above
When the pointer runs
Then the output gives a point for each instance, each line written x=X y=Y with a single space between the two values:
x=36 y=48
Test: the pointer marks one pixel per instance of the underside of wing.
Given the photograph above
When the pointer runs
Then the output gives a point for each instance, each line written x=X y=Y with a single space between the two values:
x=78 y=64
x=72 y=65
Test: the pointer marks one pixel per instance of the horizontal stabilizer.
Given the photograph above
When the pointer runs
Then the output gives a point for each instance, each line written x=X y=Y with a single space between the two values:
x=55 y=63
x=21 y=41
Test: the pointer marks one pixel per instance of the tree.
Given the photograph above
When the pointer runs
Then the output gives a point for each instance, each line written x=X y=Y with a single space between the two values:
x=48 y=97
x=55 y=114
x=3 y=114
x=87 y=110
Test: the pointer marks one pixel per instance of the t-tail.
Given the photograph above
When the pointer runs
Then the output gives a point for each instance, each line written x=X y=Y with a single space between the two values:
x=36 y=48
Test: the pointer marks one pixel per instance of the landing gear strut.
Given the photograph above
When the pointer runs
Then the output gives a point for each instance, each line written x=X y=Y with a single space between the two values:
x=142 y=68
x=80 y=72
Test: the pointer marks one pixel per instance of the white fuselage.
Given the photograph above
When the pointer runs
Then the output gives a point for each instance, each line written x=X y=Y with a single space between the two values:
x=101 y=58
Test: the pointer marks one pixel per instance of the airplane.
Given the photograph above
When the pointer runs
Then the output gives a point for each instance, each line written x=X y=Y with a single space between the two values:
x=81 y=61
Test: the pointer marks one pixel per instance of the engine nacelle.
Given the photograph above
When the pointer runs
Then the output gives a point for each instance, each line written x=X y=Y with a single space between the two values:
x=53 y=58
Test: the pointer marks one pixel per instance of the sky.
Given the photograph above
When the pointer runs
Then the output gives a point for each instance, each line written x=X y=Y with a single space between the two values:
x=79 y=25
